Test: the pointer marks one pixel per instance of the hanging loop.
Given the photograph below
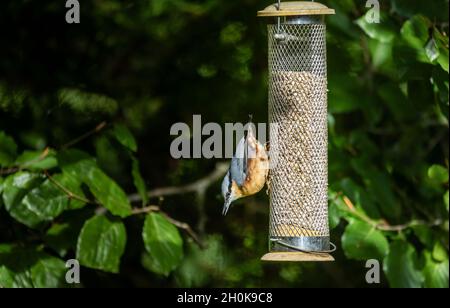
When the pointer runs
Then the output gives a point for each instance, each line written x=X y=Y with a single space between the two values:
x=279 y=36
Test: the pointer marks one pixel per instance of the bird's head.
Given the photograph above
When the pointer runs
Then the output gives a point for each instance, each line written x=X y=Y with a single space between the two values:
x=230 y=193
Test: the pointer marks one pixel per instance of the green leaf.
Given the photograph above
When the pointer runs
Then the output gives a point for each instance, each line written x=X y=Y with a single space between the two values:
x=48 y=272
x=46 y=200
x=8 y=150
x=163 y=244
x=29 y=267
x=125 y=137
x=400 y=266
x=84 y=169
x=76 y=163
x=1 y=185
x=334 y=215
x=425 y=235
x=108 y=193
x=101 y=244
x=381 y=54
x=380 y=185
x=438 y=174
x=33 y=200
x=361 y=241
x=108 y=156
x=384 y=31
x=415 y=34
x=360 y=197
x=139 y=181
x=15 y=267
x=86 y=102
x=431 y=50
x=439 y=252
x=6 y=277
x=16 y=187
x=435 y=273
x=442 y=46
x=62 y=236
x=37 y=160
x=72 y=185
x=56 y=238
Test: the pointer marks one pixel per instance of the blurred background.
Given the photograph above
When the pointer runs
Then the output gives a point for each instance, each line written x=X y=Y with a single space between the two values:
x=141 y=66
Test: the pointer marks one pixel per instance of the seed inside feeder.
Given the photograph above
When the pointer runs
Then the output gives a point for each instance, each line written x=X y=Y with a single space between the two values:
x=298 y=181
x=298 y=130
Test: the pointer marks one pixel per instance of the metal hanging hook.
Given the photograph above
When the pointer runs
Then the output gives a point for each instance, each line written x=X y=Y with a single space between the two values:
x=279 y=18
x=280 y=37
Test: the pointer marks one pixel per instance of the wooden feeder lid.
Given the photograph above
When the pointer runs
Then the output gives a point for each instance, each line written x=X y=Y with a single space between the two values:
x=296 y=8
x=297 y=257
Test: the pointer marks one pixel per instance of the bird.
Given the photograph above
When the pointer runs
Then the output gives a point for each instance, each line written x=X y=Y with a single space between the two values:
x=248 y=170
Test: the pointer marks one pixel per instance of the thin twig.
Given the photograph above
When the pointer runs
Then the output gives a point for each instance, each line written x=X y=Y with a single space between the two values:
x=384 y=226
x=197 y=186
x=97 y=129
x=9 y=171
x=186 y=227
x=398 y=228
x=135 y=211
x=17 y=168
x=144 y=210
x=70 y=194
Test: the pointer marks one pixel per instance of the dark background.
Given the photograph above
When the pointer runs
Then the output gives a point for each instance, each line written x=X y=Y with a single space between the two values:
x=157 y=62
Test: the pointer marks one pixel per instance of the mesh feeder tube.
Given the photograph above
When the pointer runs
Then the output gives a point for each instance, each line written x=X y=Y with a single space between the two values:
x=298 y=176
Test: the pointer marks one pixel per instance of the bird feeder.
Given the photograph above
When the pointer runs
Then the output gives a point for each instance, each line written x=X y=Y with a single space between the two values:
x=298 y=176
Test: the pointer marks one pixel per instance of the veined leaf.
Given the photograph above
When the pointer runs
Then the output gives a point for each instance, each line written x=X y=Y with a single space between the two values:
x=400 y=266
x=30 y=268
x=125 y=137
x=16 y=187
x=83 y=168
x=108 y=193
x=37 y=160
x=384 y=31
x=436 y=272
x=139 y=181
x=101 y=244
x=361 y=241
x=163 y=244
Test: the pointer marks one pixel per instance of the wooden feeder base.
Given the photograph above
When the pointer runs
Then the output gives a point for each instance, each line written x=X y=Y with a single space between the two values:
x=297 y=257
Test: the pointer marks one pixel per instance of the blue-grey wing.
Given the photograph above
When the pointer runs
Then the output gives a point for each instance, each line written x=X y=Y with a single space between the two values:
x=238 y=166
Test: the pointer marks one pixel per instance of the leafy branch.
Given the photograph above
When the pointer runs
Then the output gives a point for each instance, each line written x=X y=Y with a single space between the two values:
x=70 y=194
x=385 y=226
x=135 y=211
x=13 y=169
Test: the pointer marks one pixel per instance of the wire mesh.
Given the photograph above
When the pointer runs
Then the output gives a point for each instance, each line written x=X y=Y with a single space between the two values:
x=298 y=132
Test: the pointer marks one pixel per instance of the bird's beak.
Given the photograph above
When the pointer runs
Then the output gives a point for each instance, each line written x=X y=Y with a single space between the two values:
x=226 y=206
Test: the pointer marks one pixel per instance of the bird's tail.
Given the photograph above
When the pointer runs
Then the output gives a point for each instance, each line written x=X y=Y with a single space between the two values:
x=226 y=206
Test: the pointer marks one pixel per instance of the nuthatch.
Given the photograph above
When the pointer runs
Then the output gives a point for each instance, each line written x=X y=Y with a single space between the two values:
x=248 y=170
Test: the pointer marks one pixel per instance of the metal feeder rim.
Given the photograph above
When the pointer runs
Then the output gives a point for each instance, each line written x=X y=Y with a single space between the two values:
x=296 y=248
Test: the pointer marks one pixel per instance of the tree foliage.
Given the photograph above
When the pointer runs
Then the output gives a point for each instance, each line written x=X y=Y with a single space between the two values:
x=137 y=67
